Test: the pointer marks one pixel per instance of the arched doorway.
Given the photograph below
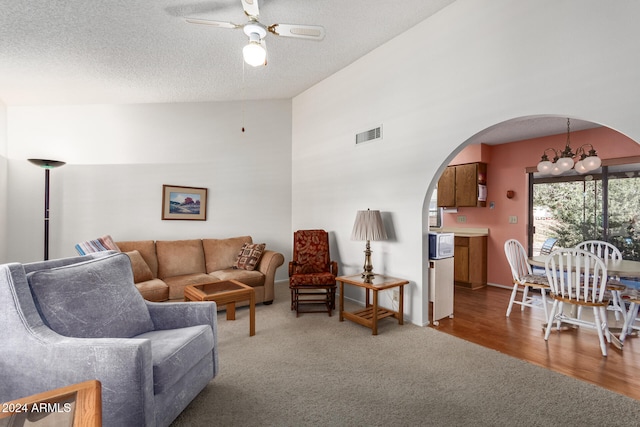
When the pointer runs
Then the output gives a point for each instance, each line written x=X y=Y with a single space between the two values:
x=509 y=148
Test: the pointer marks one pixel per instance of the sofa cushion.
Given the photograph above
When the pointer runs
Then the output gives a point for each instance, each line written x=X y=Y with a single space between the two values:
x=175 y=351
x=141 y=270
x=153 y=290
x=147 y=249
x=222 y=253
x=179 y=257
x=92 y=299
x=178 y=283
x=249 y=256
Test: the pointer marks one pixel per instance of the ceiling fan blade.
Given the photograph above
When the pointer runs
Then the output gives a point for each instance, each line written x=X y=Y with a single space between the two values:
x=218 y=24
x=251 y=8
x=311 y=32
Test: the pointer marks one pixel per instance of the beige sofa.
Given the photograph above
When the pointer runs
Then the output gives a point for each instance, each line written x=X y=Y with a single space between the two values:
x=163 y=268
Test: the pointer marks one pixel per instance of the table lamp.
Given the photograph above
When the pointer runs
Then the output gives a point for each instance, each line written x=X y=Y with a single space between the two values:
x=368 y=226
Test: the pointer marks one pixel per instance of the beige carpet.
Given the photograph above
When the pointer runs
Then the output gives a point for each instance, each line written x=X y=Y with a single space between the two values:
x=317 y=371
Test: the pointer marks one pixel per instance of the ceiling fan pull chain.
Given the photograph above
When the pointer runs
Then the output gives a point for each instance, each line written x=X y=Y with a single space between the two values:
x=243 y=98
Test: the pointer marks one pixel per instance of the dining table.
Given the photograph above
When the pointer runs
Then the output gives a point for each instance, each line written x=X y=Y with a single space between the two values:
x=623 y=268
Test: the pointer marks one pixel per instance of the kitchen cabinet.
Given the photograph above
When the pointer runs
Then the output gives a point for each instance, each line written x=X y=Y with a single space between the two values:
x=463 y=186
x=470 y=261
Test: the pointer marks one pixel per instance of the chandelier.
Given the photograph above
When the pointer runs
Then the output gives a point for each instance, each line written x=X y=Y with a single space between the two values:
x=564 y=160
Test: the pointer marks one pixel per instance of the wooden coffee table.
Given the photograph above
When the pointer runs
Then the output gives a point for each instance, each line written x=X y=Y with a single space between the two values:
x=226 y=292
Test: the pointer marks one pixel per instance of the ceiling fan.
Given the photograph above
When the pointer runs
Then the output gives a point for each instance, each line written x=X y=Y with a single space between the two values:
x=255 y=53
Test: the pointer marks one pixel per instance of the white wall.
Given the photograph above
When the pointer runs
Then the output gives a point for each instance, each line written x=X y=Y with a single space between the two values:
x=4 y=185
x=475 y=64
x=118 y=157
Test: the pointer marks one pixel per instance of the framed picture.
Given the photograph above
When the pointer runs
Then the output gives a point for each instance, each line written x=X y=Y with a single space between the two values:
x=184 y=203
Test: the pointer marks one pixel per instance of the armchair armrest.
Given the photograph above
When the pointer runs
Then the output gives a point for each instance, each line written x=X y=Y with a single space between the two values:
x=174 y=315
x=291 y=265
x=334 y=268
x=123 y=366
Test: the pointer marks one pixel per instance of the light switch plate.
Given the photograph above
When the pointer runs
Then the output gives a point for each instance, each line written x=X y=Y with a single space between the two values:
x=462 y=218
x=513 y=219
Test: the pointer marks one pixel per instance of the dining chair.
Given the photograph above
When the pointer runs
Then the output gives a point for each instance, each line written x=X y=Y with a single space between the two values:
x=524 y=278
x=632 y=315
x=545 y=249
x=548 y=246
x=579 y=278
x=606 y=251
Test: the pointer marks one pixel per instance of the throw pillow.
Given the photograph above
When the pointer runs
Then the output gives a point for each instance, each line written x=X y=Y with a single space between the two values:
x=104 y=243
x=141 y=270
x=249 y=256
x=92 y=299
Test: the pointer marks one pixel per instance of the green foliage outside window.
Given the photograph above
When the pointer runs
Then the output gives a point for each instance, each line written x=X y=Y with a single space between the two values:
x=576 y=211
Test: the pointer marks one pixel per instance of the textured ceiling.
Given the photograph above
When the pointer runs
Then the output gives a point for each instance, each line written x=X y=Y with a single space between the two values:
x=143 y=51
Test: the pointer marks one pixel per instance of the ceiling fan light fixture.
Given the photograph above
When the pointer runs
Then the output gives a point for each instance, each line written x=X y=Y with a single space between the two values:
x=254 y=54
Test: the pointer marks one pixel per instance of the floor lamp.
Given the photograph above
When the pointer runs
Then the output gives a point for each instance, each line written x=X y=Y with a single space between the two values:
x=47 y=165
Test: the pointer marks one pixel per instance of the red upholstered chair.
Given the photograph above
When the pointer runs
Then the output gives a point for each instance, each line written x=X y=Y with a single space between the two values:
x=312 y=274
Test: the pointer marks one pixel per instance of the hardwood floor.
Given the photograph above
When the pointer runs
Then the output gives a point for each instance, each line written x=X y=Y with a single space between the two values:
x=479 y=317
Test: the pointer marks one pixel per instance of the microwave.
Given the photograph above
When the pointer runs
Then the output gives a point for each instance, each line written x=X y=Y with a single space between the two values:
x=440 y=245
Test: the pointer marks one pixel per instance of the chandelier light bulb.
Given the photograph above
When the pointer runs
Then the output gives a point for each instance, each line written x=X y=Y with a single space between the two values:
x=565 y=163
x=580 y=167
x=556 y=170
x=592 y=162
x=545 y=167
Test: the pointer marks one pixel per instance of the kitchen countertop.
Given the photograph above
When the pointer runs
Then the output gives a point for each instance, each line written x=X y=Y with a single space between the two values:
x=463 y=231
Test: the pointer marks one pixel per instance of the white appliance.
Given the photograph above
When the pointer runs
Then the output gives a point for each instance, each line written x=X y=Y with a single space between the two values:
x=441 y=289
x=440 y=245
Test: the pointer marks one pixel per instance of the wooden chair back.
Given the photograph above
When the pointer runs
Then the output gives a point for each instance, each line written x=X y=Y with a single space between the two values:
x=604 y=250
x=577 y=276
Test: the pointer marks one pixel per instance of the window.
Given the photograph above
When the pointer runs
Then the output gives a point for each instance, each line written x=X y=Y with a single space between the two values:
x=435 y=213
x=599 y=206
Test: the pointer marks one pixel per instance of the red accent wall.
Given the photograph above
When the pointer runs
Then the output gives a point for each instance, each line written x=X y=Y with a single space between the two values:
x=506 y=164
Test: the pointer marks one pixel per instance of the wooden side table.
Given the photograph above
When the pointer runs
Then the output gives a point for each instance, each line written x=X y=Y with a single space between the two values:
x=371 y=313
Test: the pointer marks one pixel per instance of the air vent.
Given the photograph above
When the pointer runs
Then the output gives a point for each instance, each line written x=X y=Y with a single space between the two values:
x=369 y=135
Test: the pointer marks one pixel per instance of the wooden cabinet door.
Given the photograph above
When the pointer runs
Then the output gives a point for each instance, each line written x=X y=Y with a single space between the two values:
x=461 y=260
x=447 y=188
x=467 y=185
x=478 y=262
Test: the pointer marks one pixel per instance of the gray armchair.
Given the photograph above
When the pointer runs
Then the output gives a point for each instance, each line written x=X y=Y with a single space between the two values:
x=75 y=319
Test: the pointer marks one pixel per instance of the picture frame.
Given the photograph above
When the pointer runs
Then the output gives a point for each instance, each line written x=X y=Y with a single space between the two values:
x=184 y=203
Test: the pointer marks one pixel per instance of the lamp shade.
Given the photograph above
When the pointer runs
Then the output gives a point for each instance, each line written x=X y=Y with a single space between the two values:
x=368 y=226
x=47 y=164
